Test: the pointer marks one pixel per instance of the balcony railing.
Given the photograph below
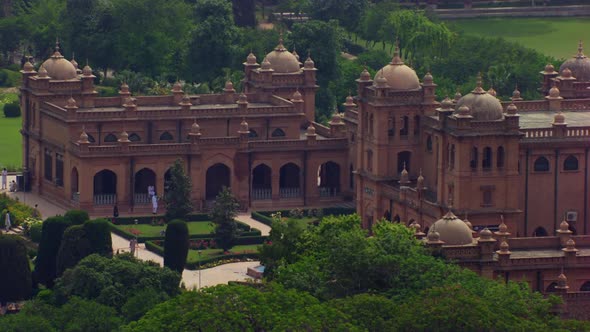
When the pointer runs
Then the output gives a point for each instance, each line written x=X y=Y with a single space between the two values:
x=290 y=192
x=329 y=191
x=261 y=194
x=76 y=197
x=141 y=199
x=105 y=199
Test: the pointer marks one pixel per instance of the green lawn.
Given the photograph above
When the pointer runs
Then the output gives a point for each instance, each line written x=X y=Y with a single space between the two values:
x=193 y=255
x=556 y=37
x=201 y=227
x=10 y=137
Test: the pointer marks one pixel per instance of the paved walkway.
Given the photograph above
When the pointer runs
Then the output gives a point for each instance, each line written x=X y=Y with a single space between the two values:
x=247 y=219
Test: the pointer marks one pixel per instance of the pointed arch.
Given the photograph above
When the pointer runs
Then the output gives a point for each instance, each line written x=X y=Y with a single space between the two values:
x=144 y=178
x=329 y=179
x=290 y=181
x=166 y=136
x=540 y=231
x=217 y=177
x=134 y=137
x=500 y=157
x=105 y=187
x=261 y=182
x=570 y=164
x=541 y=164
x=585 y=287
x=110 y=138
x=278 y=133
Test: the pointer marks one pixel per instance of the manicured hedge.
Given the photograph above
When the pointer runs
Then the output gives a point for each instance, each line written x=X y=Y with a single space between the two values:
x=262 y=218
x=148 y=219
x=265 y=216
x=245 y=240
x=196 y=265
x=176 y=245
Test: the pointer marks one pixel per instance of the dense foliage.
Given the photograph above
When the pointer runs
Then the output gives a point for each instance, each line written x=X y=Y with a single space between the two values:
x=74 y=246
x=177 y=195
x=176 y=245
x=223 y=215
x=76 y=217
x=15 y=273
x=46 y=262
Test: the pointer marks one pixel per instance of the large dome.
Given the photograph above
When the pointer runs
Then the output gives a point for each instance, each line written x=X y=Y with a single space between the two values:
x=398 y=75
x=483 y=106
x=452 y=230
x=579 y=65
x=58 y=68
x=283 y=61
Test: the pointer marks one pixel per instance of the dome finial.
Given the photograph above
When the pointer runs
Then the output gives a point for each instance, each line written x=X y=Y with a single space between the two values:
x=280 y=47
x=581 y=50
x=478 y=85
x=397 y=60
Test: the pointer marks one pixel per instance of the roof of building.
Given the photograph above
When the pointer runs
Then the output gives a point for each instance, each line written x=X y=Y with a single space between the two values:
x=283 y=61
x=483 y=106
x=452 y=230
x=544 y=119
x=58 y=68
x=398 y=75
x=579 y=65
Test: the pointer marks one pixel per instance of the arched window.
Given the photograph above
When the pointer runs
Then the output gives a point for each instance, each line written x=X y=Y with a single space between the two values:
x=134 y=137
x=541 y=165
x=369 y=160
x=278 y=133
x=585 y=287
x=452 y=161
x=500 y=158
x=429 y=143
x=252 y=133
x=391 y=126
x=91 y=138
x=405 y=124
x=110 y=138
x=416 y=125
x=371 y=124
x=166 y=136
x=474 y=156
x=570 y=164
x=540 y=231
x=551 y=288
x=487 y=158
x=403 y=159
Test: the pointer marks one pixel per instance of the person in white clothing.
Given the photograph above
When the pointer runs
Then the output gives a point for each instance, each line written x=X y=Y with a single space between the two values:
x=7 y=221
x=154 y=204
x=4 y=178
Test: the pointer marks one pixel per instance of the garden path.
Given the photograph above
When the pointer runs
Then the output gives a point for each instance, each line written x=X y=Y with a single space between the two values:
x=247 y=219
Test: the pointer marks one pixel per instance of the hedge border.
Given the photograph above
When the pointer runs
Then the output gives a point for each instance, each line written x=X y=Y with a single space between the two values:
x=148 y=219
x=151 y=246
x=264 y=216
x=252 y=233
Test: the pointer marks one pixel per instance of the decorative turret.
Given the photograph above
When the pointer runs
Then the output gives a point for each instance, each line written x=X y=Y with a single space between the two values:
x=562 y=285
x=229 y=87
x=75 y=64
x=185 y=103
x=559 y=120
x=71 y=105
x=87 y=79
x=297 y=100
x=310 y=134
x=242 y=102
x=337 y=126
x=28 y=67
x=43 y=72
x=124 y=138
x=130 y=104
x=404 y=177
x=492 y=92
x=502 y=232
x=83 y=140
x=124 y=93
x=177 y=92
x=486 y=244
x=564 y=232
x=420 y=181
x=195 y=132
x=511 y=110
x=516 y=94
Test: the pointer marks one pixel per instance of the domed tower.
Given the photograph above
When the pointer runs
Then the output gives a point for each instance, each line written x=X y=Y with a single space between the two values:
x=572 y=73
x=281 y=74
x=389 y=134
x=478 y=158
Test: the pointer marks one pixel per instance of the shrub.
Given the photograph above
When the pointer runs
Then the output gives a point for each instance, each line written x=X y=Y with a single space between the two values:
x=77 y=217
x=35 y=232
x=74 y=246
x=296 y=213
x=46 y=262
x=176 y=245
x=15 y=279
x=12 y=110
x=18 y=213
x=98 y=233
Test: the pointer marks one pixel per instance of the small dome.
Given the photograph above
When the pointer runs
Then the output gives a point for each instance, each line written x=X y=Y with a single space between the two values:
x=549 y=68
x=398 y=75
x=186 y=100
x=485 y=234
x=42 y=72
x=516 y=94
x=503 y=228
x=87 y=71
x=566 y=73
x=244 y=126
x=433 y=235
x=124 y=137
x=283 y=61
x=463 y=112
x=242 y=99
x=365 y=76
x=124 y=88
x=251 y=59
x=265 y=65
x=428 y=79
x=446 y=104
x=380 y=80
x=483 y=106
x=349 y=101
x=420 y=181
x=559 y=118
x=28 y=66
x=504 y=247
x=310 y=130
x=404 y=176
x=511 y=109
x=453 y=230
x=579 y=65
x=570 y=244
x=58 y=68
x=295 y=54
x=177 y=87
x=229 y=87
x=83 y=137
x=195 y=128
x=309 y=64
x=492 y=91
x=468 y=223
x=71 y=103
x=564 y=226
x=457 y=95
x=562 y=282
x=554 y=91
x=297 y=96
x=74 y=62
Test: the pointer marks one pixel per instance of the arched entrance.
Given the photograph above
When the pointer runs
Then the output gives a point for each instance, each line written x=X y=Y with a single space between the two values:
x=218 y=176
x=329 y=179
x=105 y=187
x=74 y=185
x=167 y=179
x=261 y=182
x=540 y=231
x=289 y=181
x=403 y=160
x=144 y=179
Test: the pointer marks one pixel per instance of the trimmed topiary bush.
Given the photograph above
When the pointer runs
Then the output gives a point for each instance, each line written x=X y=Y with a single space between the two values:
x=45 y=264
x=35 y=232
x=77 y=217
x=74 y=247
x=12 y=110
x=176 y=245
x=98 y=233
x=15 y=275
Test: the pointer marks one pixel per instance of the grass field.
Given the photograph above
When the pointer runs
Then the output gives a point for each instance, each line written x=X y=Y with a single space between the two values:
x=193 y=255
x=149 y=230
x=556 y=37
x=10 y=137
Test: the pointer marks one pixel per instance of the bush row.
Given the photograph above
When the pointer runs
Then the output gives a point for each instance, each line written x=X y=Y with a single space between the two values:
x=265 y=216
x=205 y=263
x=141 y=239
x=149 y=219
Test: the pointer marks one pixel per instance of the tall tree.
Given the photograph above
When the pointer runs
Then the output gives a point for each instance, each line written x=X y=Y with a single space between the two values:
x=46 y=262
x=176 y=245
x=177 y=195
x=347 y=12
x=244 y=13
x=15 y=275
x=223 y=216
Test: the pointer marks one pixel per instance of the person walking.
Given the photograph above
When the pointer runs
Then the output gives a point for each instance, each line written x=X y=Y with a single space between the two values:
x=154 y=204
x=115 y=213
x=7 y=221
x=132 y=246
x=4 y=178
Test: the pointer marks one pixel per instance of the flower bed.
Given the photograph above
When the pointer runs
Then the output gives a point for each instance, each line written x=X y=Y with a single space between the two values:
x=306 y=215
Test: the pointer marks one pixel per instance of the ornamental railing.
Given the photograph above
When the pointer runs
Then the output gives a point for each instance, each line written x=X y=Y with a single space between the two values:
x=105 y=199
